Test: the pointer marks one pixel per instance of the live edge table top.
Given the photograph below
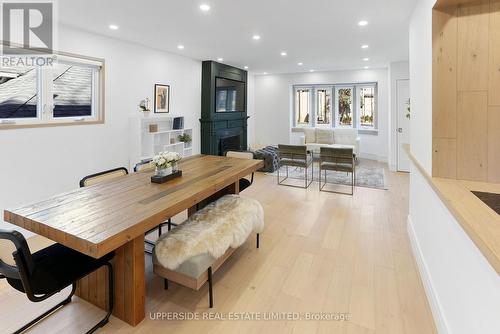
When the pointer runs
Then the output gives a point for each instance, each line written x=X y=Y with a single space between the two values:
x=98 y=219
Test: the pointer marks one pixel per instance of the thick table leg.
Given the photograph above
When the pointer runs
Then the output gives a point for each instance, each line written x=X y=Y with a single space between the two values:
x=130 y=286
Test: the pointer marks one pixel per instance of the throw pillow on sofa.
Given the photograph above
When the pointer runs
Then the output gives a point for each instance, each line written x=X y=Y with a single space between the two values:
x=324 y=136
x=310 y=135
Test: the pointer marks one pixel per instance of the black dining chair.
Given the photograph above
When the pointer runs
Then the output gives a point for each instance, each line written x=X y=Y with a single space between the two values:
x=102 y=176
x=44 y=273
x=244 y=182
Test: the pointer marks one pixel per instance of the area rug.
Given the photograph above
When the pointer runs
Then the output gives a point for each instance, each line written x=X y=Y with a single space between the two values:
x=369 y=174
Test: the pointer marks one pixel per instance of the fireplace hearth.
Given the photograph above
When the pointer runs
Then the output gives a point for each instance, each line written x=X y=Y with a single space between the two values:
x=231 y=143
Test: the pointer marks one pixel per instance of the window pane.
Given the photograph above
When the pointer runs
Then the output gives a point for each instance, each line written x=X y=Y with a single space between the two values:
x=302 y=104
x=18 y=96
x=367 y=106
x=72 y=90
x=324 y=112
x=345 y=106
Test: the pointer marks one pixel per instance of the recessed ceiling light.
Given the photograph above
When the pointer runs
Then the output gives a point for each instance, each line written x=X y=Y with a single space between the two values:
x=311 y=70
x=204 y=7
x=366 y=59
x=180 y=47
x=245 y=67
x=256 y=37
x=265 y=73
x=113 y=27
x=365 y=46
x=366 y=67
x=362 y=23
x=220 y=59
x=300 y=64
x=283 y=53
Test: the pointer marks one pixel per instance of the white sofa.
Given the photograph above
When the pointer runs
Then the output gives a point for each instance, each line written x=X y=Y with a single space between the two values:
x=315 y=138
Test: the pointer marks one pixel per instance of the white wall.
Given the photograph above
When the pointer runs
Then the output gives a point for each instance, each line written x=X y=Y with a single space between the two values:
x=37 y=163
x=462 y=287
x=273 y=105
x=397 y=71
x=421 y=82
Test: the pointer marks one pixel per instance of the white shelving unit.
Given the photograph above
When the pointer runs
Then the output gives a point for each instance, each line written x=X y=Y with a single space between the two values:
x=145 y=144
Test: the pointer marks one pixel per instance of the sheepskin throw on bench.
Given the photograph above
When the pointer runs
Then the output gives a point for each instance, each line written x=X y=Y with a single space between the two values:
x=222 y=224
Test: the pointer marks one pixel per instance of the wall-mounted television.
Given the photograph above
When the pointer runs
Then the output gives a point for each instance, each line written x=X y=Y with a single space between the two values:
x=230 y=95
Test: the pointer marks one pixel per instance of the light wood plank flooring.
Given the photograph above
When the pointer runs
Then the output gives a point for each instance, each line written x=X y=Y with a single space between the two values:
x=320 y=252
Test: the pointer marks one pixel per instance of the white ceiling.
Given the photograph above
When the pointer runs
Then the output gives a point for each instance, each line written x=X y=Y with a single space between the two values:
x=323 y=34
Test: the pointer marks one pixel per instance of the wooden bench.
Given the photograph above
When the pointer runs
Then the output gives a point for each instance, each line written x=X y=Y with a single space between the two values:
x=231 y=218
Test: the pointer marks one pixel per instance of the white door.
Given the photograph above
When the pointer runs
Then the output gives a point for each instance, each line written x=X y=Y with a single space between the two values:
x=403 y=126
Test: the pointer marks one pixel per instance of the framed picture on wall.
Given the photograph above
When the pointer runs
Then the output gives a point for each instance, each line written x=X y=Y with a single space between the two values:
x=162 y=98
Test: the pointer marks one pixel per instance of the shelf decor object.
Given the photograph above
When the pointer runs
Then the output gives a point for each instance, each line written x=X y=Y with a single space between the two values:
x=162 y=99
x=145 y=144
x=145 y=105
x=153 y=127
x=185 y=138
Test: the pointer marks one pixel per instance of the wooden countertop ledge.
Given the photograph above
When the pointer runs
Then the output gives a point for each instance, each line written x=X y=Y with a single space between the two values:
x=480 y=222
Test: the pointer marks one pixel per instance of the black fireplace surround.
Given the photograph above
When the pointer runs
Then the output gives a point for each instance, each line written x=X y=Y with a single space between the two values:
x=218 y=128
x=230 y=143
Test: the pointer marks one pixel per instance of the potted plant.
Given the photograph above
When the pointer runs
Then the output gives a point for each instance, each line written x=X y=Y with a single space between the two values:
x=166 y=163
x=185 y=138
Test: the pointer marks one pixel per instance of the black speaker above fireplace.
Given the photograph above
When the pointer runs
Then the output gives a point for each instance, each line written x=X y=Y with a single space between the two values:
x=223 y=108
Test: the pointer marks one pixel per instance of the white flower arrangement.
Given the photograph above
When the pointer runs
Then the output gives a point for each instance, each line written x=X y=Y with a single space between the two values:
x=166 y=159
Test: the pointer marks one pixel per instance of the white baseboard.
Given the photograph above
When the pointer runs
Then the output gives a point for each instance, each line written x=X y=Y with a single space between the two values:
x=370 y=156
x=433 y=299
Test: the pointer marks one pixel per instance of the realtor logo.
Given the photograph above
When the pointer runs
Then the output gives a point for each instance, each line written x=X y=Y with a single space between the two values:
x=27 y=27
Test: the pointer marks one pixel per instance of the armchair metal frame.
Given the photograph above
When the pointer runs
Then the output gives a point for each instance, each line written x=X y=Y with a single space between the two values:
x=24 y=269
x=290 y=152
x=337 y=156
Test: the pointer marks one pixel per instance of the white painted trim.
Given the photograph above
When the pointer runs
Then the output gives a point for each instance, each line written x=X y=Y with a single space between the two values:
x=370 y=156
x=436 y=308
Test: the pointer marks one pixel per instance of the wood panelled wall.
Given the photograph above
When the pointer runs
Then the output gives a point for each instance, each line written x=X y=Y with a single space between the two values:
x=466 y=91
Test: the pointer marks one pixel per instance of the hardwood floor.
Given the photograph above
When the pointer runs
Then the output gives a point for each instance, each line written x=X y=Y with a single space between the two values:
x=320 y=252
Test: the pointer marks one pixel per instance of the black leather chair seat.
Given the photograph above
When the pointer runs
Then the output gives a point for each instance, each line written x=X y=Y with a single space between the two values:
x=244 y=183
x=57 y=267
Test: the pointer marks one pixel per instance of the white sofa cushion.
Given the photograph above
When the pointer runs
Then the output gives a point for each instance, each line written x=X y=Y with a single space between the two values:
x=324 y=136
x=310 y=135
x=316 y=148
x=342 y=137
x=345 y=136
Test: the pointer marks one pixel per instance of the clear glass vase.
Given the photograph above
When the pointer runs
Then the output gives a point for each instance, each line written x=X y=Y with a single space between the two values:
x=163 y=171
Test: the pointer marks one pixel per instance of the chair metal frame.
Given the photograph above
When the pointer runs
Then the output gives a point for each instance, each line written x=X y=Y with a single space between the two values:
x=82 y=181
x=25 y=267
x=291 y=156
x=338 y=160
x=253 y=156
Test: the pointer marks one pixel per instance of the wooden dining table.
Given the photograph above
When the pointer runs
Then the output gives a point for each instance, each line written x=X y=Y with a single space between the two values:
x=113 y=216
